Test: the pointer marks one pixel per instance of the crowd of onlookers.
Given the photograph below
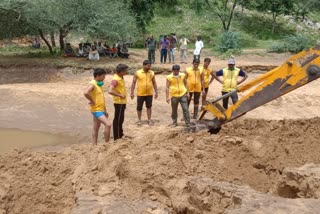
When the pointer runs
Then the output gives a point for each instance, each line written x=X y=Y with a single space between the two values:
x=96 y=50
x=168 y=45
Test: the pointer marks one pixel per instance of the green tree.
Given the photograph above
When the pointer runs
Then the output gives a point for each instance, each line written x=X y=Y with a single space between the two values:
x=276 y=8
x=13 y=21
x=224 y=9
x=143 y=10
x=313 y=5
x=96 y=18
x=248 y=4
x=301 y=9
x=198 y=5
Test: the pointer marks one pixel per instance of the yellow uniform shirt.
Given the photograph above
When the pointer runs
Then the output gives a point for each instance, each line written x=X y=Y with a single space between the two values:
x=144 y=82
x=120 y=88
x=230 y=79
x=97 y=95
x=194 y=79
x=206 y=75
x=177 y=87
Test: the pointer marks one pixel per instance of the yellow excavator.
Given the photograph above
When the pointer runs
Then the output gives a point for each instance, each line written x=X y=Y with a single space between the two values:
x=297 y=71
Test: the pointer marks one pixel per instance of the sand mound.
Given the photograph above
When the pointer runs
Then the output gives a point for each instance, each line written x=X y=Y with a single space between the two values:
x=149 y=174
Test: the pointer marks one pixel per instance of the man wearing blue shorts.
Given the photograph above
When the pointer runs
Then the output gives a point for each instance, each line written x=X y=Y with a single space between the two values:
x=95 y=94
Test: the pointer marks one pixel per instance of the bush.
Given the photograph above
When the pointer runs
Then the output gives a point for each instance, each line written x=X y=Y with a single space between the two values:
x=297 y=43
x=28 y=51
x=278 y=47
x=293 y=44
x=229 y=42
x=138 y=44
x=247 y=41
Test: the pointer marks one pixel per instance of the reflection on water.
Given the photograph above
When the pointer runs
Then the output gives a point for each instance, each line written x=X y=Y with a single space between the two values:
x=15 y=138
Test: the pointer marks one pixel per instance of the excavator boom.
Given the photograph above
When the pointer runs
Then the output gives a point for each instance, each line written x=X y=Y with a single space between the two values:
x=297 y=71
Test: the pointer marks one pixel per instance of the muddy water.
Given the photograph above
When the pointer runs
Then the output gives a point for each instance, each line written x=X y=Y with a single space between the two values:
x=15 y=138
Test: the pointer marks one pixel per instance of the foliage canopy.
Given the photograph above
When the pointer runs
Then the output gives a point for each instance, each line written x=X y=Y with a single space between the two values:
x=110 y=19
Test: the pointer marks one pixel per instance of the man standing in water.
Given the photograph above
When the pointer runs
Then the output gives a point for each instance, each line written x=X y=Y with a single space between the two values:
x=95 y=94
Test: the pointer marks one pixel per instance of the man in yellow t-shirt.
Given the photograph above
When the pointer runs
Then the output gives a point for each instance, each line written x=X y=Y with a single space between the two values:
x=118 y=91
x=194 y=82
x=95 y=94
x=230 y=81
x=177 y=88
x=146 y=82
x=206 y=72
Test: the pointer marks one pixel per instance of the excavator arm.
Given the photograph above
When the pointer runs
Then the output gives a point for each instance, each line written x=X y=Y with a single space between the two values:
x=297 y=71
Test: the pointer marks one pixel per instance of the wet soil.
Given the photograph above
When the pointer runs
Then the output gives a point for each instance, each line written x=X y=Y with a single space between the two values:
x=154 y=164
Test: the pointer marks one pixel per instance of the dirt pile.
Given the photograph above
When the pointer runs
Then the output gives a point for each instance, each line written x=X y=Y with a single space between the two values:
x=163 y=171
x=303 y=182
x=203 y=195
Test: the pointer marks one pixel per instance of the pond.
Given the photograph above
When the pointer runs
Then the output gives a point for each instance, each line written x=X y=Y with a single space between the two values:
x=15 y=138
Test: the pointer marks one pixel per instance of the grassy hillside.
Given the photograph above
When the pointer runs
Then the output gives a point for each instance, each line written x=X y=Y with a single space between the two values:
x=185 y=21
x=255 y=29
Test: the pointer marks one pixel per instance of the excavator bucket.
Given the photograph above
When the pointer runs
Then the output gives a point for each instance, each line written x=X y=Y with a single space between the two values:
x=297 y=71
x=212 y=126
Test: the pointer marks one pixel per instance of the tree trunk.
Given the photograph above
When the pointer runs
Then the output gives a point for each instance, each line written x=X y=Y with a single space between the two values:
x=53 y=42
x=223 y=21
x=61 y=39
x=274 y=23
x=231 y=14
x=45 y=40
x=226 y=21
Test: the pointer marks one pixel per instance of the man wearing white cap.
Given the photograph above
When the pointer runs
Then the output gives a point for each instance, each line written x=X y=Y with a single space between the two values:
x=230 y=81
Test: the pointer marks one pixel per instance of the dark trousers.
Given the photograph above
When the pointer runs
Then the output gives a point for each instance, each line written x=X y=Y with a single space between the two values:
x=151 y=56
x=185 y=110
x=163 y=57
x=118 y=120
x=124 y=55
x=225 y=101
x=196 y=101
x=196 y=57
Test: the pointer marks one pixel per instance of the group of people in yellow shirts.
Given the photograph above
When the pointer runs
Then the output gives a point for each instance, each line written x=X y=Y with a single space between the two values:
x=180 y=88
